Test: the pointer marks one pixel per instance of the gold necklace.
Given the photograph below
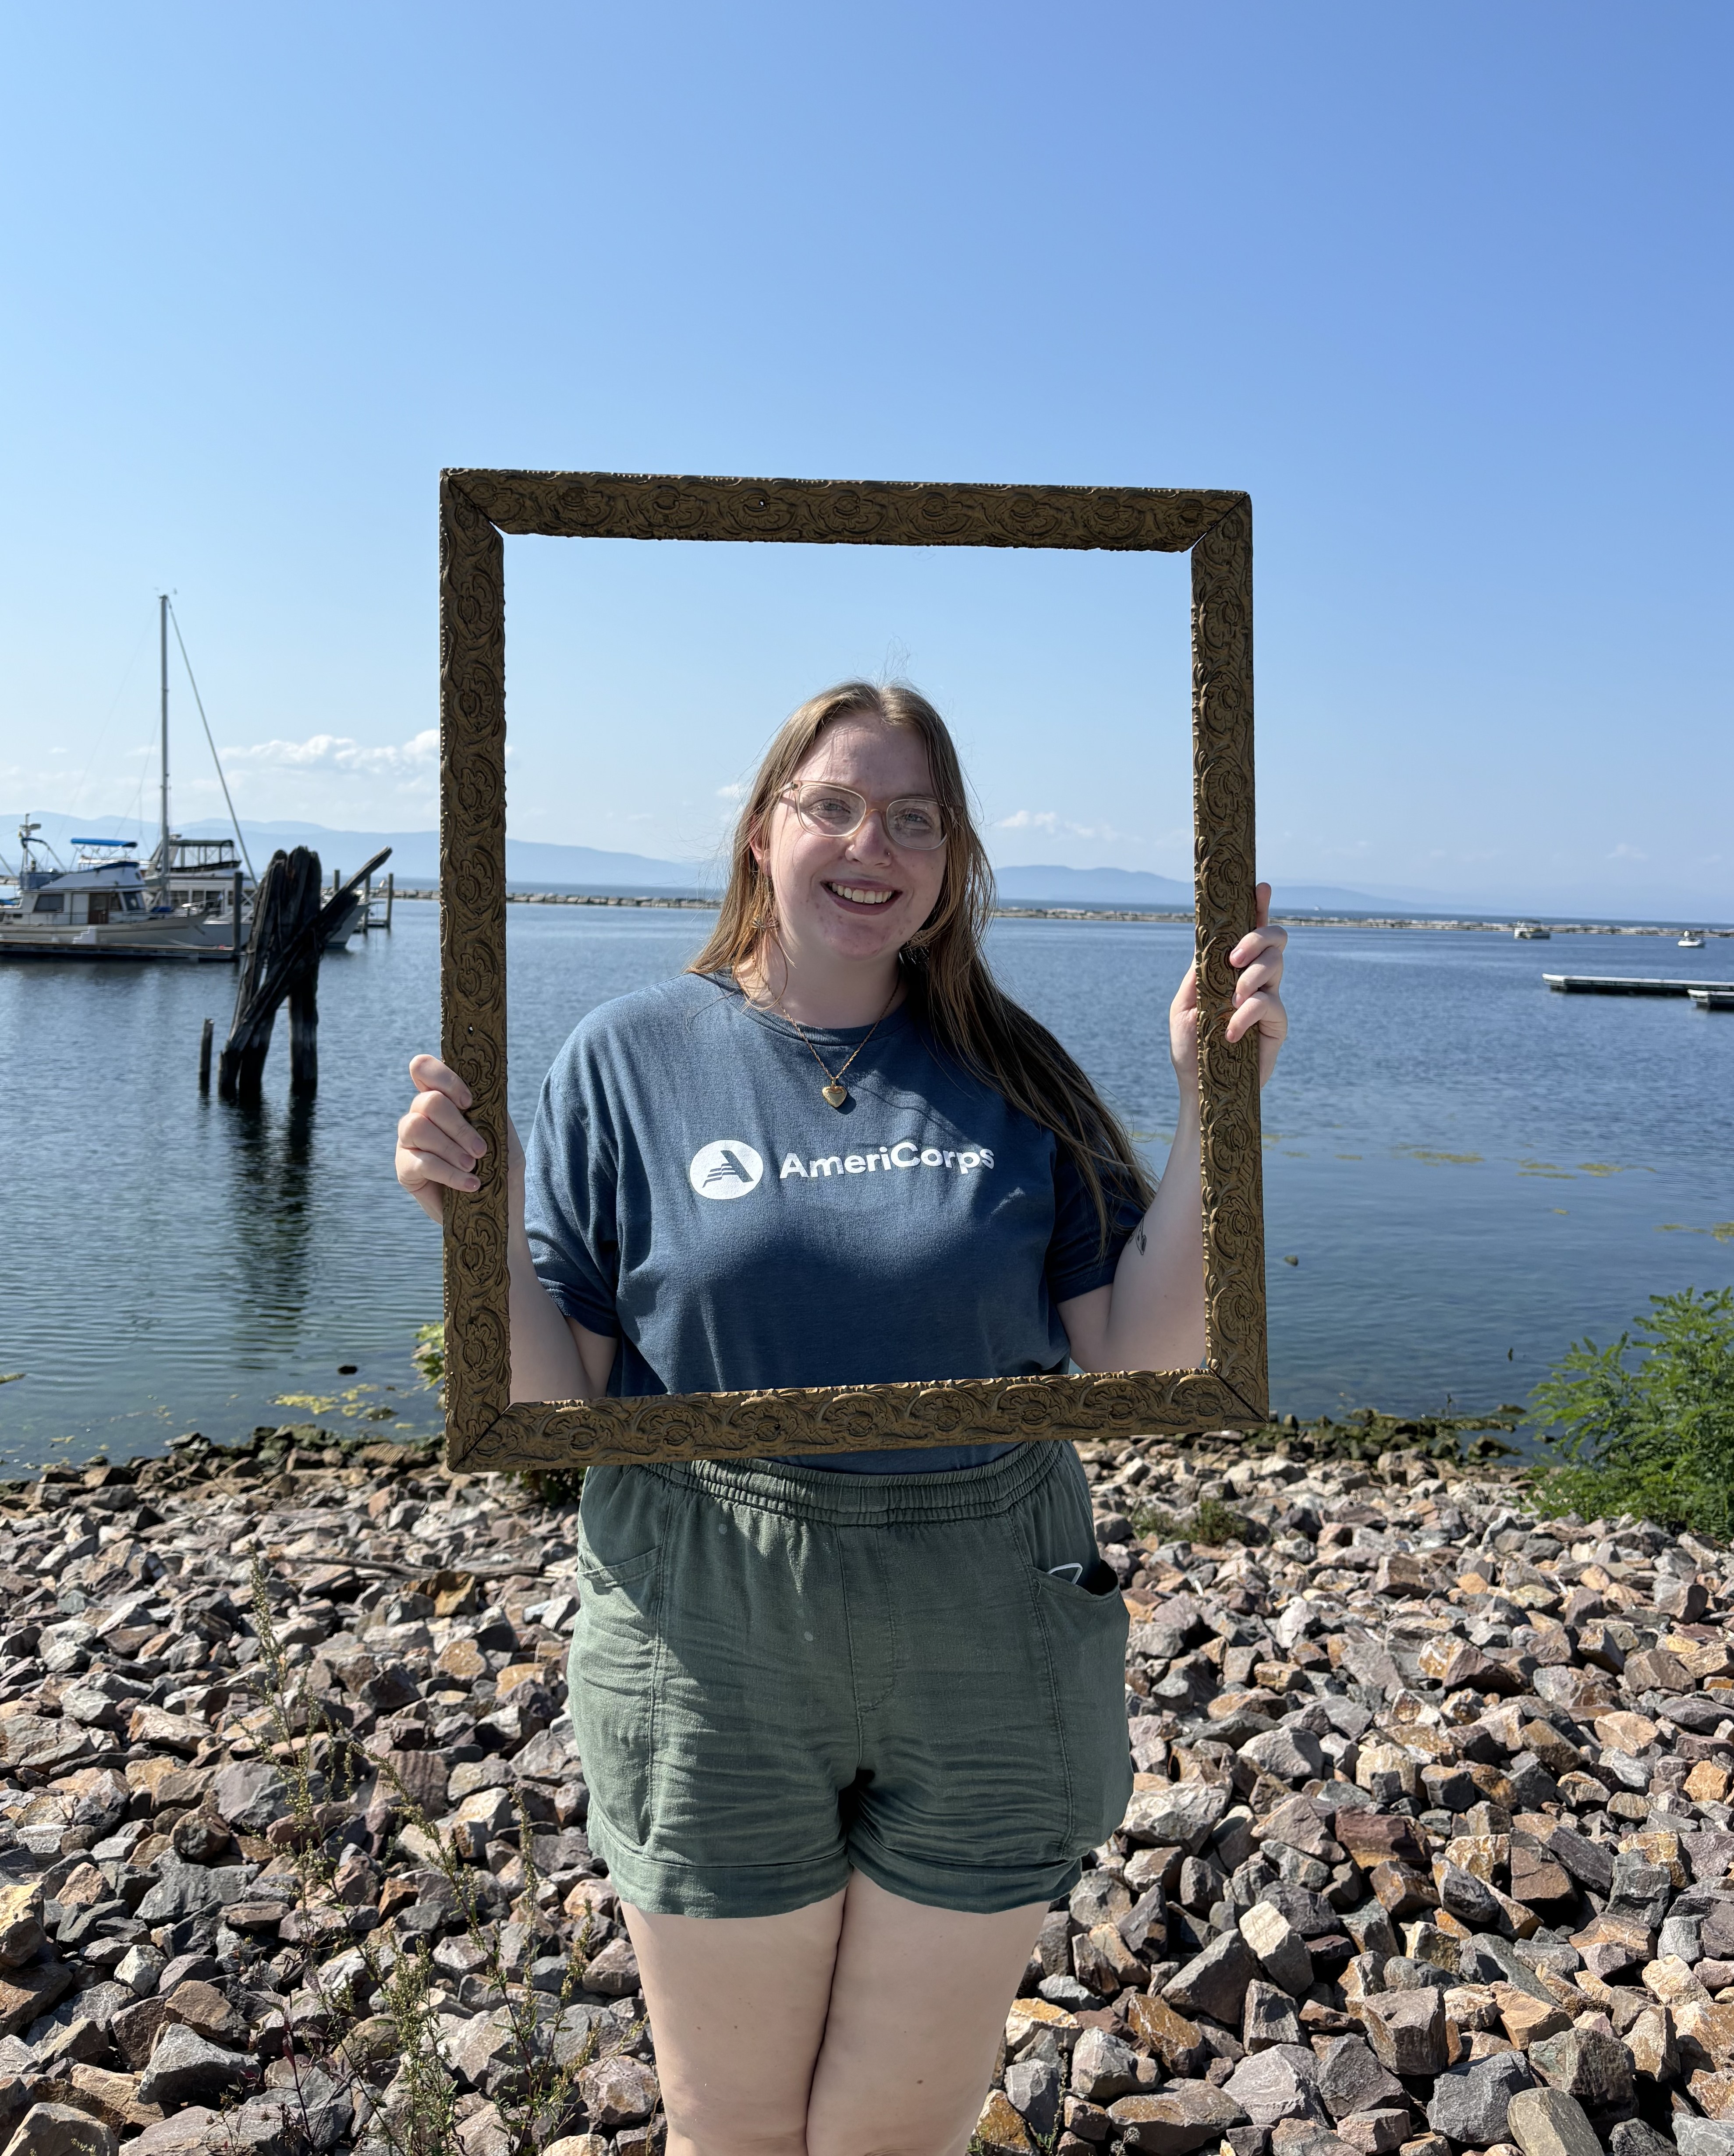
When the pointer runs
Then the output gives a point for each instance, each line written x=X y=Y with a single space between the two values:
x=835 y=1091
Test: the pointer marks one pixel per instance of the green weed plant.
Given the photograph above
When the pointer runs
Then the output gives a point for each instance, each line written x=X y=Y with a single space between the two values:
x=1645 y=1425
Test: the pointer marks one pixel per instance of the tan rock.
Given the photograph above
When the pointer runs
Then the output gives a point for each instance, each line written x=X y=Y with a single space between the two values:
x=170 y=1732
x=1660 y=1848
x=1028 y=2014
x=1626 y=1732
x=21 y=1931
x=1000 y=2131
x=168 y=1781
x=1705 y=2034
x=1708 y=1783
x=463 y=1662
x=114 y=2098
x=1701 y=1658
x=25 y=1993
x=1113 y=1955
x=515 y=1674
x=1178 y=2043
x=1713 y=2093
x=1482 y=1856
x=1526 y=2020
x=1671 y=1980
x=83 y=1889
x=1650 y=2040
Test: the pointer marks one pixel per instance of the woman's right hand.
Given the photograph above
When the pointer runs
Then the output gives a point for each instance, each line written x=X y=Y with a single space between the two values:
x=437 y=1148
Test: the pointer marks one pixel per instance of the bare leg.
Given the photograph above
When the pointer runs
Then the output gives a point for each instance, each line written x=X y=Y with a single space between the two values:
x=737 y=2010
x=918 y=2003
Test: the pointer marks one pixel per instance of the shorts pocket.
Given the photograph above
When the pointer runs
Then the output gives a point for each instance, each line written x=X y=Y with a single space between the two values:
x=613 y=1685
x=1086 y=1626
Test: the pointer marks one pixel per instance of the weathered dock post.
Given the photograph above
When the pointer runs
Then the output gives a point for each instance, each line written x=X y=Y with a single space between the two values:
x=204 y=1056
x=289 y=927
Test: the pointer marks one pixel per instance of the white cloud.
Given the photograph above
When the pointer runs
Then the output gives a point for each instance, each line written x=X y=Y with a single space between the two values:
x=412 y=763
x=1056 y=825
x=1623 y=852
x=736 y=792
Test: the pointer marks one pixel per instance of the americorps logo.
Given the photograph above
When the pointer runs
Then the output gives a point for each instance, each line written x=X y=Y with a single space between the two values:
x=726 y=1167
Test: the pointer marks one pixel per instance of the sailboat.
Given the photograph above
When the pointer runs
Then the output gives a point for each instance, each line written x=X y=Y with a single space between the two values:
x=191 y=899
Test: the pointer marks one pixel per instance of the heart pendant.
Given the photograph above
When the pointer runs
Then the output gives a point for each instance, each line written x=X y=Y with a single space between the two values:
x=835 y=1093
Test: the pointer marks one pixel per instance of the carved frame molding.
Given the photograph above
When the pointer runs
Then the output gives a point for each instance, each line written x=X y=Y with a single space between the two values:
x=483 y=1429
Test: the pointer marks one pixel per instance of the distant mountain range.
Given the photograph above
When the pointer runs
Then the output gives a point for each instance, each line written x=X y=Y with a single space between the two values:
x=538 y=866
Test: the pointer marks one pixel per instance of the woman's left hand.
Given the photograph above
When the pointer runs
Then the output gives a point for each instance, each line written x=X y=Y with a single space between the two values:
x=1257 y=958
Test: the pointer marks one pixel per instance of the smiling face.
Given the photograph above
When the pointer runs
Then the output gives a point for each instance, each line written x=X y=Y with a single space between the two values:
x=854 y=901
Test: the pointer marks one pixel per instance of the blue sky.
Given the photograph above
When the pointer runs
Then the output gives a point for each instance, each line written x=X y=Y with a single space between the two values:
x=1446 y=288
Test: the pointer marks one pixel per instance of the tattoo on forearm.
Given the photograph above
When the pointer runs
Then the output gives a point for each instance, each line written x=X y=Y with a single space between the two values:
x=1142 y=1239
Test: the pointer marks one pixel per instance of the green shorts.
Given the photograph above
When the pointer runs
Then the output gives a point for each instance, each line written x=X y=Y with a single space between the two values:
x=781 y=1673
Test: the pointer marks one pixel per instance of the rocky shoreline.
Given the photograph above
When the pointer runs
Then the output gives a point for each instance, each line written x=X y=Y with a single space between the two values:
x=1013 y=911
x=1428 y=1851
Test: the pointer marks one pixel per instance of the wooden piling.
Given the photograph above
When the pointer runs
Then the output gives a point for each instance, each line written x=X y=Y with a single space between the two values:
x=204 y=1056
x=281 y=963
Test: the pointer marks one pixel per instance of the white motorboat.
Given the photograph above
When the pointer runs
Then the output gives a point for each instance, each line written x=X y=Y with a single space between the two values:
x=104 y=907
x=1531 y=932
x=1692 y=940
x=191 y=899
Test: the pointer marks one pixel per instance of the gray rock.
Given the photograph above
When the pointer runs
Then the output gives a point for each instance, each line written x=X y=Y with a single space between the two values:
x=1351 y=2080
x=184 y=2069
x=1488 y=1960
x=248 y=1795
x=1704 y=2136
x=1407 y=2029
x=139 y=1968
x=1293 y=1756
x=284 y=2121
x=1470 y=2102
x=613 y=1972
x=618 y=2092
x=1467 y=1899
x=1545 y=2122
x=1032 y=2088
x=1103 y=2067
x=1181 y=1815
x=1280 y=1950
x=1376 y=2132
x=1215 y=1982
x=59 y=2129
x=1066 y=1990
x=1311 y=1914
x=193 y=1889
x=1279 y=2083
x=1633 y=2137
x=1268 y=2017
x=1586 y=2064
x=1184 y=2116
x=485 y=2054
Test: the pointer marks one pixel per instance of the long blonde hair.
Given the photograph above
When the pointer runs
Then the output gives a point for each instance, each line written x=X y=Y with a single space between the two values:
x=951 y=988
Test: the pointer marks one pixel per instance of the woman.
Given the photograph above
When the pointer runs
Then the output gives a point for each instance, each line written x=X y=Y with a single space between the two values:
x=849 y=1723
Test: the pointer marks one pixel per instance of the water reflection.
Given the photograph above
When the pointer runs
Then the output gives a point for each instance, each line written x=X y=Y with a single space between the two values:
x=270 y=1156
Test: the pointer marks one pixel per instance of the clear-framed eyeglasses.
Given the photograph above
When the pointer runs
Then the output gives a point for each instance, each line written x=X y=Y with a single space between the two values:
x=915 y=821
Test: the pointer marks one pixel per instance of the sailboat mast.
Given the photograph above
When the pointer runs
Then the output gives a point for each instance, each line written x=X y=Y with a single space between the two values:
x=163 y=859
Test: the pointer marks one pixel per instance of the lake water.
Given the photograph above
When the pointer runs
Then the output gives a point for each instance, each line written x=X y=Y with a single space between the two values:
x=1472 y=1172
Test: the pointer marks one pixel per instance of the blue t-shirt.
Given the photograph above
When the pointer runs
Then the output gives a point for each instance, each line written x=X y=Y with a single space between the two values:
x=691 y=1191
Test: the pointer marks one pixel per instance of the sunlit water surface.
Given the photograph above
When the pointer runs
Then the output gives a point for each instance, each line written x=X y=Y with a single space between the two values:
x=1471 y=1172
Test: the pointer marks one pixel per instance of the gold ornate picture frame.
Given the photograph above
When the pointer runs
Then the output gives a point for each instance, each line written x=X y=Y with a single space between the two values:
x=485 y=1429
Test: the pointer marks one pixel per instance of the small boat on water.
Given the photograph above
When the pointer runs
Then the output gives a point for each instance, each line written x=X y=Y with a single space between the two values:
x=1692 y=940
x=1531 y=932
x=103 y=906
x=191 y=899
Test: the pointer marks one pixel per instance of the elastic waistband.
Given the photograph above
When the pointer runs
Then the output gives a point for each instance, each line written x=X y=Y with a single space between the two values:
x=868 y=1501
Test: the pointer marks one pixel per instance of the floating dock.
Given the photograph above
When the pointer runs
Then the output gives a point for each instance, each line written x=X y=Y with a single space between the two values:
x=1716 y=995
